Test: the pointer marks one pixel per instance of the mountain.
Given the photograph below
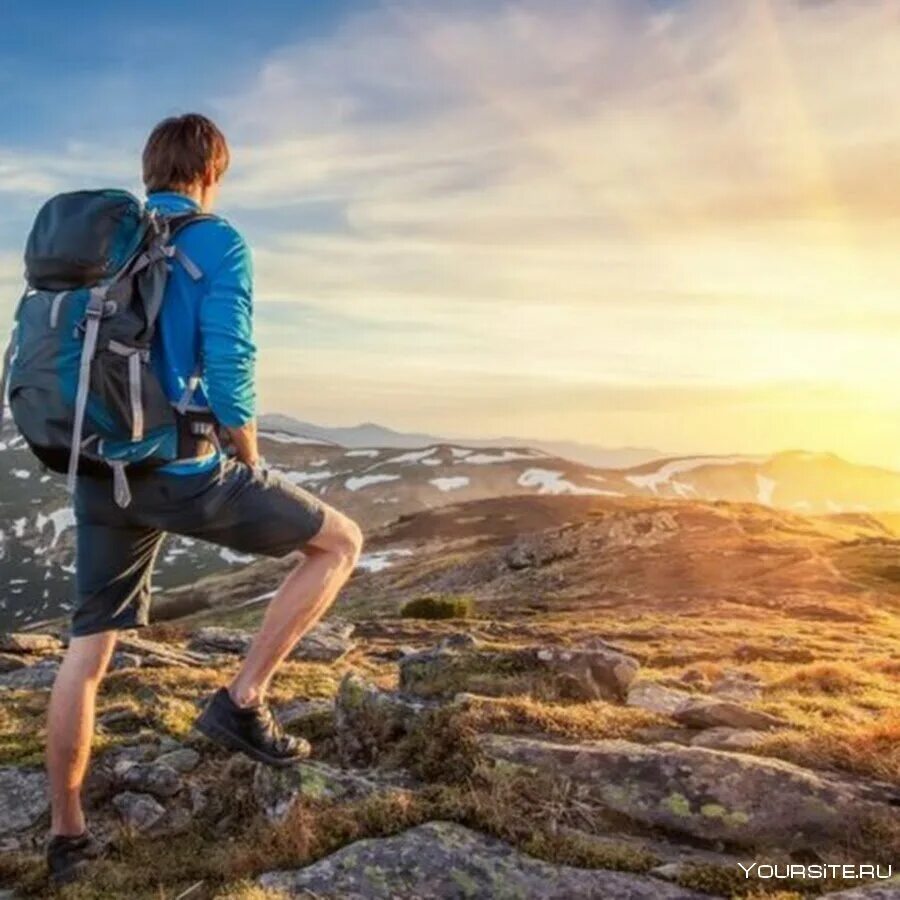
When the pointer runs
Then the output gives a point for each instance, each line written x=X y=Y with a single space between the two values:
x=368 y=434
x=377 y=485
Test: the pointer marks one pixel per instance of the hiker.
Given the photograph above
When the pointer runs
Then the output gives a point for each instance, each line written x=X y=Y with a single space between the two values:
x=203 y=357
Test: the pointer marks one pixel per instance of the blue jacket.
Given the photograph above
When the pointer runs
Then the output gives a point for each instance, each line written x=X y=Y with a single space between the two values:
x=207 y=323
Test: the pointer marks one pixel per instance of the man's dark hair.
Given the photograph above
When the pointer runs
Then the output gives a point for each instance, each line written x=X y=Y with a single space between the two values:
x=182 y=150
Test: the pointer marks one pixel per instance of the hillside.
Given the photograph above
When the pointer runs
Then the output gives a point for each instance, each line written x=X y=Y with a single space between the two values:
x=643 y=693
x=376 y=485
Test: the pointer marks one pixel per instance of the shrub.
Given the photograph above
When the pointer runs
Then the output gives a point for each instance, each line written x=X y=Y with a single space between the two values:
x=438 y=606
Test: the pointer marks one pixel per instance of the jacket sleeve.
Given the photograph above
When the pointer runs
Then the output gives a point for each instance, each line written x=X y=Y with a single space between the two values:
x=226 y=333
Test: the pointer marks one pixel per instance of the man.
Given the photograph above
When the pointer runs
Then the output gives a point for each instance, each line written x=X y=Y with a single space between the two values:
x=234 y=502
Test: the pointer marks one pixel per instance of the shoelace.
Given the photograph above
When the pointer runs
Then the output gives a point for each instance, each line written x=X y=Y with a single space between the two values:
x=273 y=729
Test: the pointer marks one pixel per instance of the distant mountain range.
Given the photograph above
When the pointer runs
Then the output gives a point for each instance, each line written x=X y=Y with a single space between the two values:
x=369 y=434
x=378 y=482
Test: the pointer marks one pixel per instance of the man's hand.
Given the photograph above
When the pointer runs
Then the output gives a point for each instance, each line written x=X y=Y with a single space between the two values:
x=245 y=444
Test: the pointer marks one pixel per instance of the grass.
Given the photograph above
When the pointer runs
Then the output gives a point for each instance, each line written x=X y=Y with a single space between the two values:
x=438 y=606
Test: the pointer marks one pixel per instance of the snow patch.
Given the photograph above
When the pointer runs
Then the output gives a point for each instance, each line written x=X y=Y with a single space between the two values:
x=362 y=453
x=354 y=484
x=20 y=473
x=304 y=477
x=765 y=489
x=233 y=558
x=486 y=459
x=61 y=519
x=550 y=482
x=282 y=437
x=654 y=480
x=413 y=456
x=450 y=484
x=380 y=559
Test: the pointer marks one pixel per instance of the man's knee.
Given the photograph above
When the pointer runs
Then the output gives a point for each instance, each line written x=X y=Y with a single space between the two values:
x=341 y=536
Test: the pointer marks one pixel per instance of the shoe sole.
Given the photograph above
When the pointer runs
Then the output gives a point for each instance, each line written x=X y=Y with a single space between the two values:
x=225 y=738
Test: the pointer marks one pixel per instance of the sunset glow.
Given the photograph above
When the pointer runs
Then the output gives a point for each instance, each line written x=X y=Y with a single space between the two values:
x=667 y=224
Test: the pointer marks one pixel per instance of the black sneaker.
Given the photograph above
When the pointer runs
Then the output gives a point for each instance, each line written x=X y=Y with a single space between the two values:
x=253 y=731
x=68 y=856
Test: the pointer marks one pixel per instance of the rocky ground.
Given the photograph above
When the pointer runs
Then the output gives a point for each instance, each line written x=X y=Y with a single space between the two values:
x=647 y=695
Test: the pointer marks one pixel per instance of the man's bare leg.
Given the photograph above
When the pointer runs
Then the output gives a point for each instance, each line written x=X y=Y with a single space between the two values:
x=300 y=602
x=70 y=726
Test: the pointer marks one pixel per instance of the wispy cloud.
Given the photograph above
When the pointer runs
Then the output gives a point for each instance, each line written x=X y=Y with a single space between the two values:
x=677 y=201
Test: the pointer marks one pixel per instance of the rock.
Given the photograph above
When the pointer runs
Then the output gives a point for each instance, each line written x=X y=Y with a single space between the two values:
x=124 y=661
x=328 y=642
x=220 y=640
x=706 y=794
x=26 y=642
x=23 y=799
x=695 y=678
x=148 y=778
x=655 y=697
x=182 y=760
x=569 y=673
x=711 y=713
x=368 y=720
x=157 y=654
x=728 y=739
x=535 y=551
x=277 y=790
x=41 y=675
x=459 y=640
x=446 y=860
x=9 y=662
x=736 y=685
x=121 y=720
x=139 y=811
x=303 y=710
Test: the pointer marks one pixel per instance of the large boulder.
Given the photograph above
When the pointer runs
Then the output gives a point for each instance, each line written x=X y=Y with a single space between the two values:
x=656 y=697
x=214 y=639
x=157 y=778
x=329 y=642
x=585 y=673
x=23 y=799
x=140 y=812
x=703 y=793
x=445 y=861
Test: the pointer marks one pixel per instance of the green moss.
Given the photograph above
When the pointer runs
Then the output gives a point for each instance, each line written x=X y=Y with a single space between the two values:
x=678 y=804
x=439 y=606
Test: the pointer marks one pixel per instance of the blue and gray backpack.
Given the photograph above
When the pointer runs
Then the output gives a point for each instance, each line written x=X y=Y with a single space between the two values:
x=81 y=389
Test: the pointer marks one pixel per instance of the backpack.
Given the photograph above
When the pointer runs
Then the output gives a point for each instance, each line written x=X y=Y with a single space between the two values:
x=81 y=388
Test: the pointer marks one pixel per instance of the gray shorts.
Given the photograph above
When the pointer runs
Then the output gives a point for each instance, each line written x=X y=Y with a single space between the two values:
x=246 y=510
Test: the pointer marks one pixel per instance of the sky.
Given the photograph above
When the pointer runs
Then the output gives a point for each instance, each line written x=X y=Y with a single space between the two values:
x=657 y=223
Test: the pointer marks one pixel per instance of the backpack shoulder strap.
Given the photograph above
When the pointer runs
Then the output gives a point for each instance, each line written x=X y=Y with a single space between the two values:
x=176 y=224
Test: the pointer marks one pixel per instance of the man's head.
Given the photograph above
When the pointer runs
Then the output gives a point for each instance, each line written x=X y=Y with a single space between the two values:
x=187 y=154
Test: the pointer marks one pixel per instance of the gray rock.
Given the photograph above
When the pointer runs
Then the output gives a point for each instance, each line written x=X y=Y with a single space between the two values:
x=728 y=739
x=182 y=760
x=139 y=811
x=369 y=720
x=277 y=790
x=655 y=697
x=708 y=794
x=742 y=687
x=122 y=660
x=23 y=799
x=26 y=642
x=328 y=642
x=445 y=861
x=220 y=640
x=706 y=712
x=303 y=710
x=148 y=778
x=584 y=673
x=41 y=675
x=459 y=640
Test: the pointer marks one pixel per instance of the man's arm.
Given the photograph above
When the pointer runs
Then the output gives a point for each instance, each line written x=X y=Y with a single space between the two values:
x=228 y=350
x=245 y=443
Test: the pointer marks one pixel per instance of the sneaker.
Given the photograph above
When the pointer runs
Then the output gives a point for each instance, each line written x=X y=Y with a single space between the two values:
x=68 y=856
x=253 y=731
